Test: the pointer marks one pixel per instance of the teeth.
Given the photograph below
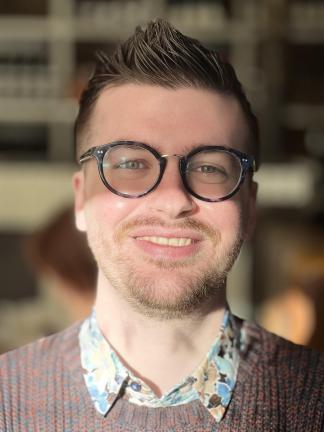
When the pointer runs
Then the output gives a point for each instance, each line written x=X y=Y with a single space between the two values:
x=176 y=241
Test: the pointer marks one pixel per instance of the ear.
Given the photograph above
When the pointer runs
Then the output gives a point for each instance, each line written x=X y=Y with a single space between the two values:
x=79 y=200
x=250 y=210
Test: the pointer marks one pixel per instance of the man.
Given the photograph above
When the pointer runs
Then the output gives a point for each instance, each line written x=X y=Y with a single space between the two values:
x=167 y=144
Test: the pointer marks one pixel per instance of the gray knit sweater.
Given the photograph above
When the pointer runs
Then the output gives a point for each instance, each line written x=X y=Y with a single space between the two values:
x=280 y=387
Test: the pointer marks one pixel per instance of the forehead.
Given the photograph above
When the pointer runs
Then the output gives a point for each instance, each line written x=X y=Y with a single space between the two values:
x=168 y=119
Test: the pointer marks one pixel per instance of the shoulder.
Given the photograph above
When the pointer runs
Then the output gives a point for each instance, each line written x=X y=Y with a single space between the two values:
x=39 y=381
x=294 y=367
x=275 y=350
x=33 y=359
x=280 y=385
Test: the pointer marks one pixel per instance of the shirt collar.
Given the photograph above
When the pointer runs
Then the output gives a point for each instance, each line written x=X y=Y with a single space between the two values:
x=212 y=382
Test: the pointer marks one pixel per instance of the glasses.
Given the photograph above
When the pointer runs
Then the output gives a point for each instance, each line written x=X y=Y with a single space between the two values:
x=132 y=169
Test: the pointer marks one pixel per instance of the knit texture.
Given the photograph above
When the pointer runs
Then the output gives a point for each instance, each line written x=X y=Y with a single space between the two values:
x=280 y=387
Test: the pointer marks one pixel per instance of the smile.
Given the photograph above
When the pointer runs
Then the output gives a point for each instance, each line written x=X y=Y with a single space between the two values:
x=164 y=241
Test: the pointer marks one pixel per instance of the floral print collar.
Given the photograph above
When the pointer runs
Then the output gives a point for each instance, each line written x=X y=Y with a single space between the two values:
x=212 y=382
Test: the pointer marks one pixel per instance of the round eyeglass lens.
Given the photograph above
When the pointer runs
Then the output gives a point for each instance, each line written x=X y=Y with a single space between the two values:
x=213 y=174
x=130 y=170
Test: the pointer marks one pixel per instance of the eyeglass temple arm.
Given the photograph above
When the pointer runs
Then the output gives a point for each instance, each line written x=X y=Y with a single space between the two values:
x=86 y=156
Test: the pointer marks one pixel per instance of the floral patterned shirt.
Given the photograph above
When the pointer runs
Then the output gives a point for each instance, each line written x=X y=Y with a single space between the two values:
x=212 y=382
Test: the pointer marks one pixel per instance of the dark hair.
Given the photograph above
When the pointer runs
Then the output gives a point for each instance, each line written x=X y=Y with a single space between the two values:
x=160 y=55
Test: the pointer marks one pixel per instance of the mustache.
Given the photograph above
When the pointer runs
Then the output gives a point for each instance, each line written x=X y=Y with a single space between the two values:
x=187 y=223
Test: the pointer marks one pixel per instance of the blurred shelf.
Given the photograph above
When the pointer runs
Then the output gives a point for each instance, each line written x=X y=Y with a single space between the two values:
x=37 y=110
x=307 y=36
x=100 y=29
x=24 y=28
x=303 y=116
x=287 y=185
x=306 y=23
x=32 y=192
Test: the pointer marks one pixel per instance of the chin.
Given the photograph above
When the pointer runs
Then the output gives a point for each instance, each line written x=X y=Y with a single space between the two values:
x=174 y=296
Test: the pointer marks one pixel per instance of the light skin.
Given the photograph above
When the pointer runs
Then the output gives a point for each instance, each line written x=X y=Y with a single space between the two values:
x=143 y=287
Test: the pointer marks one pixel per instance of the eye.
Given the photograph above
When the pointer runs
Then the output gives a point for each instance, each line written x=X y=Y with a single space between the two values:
x=205 y=172
x=131 y=165
x=210 y=169
x=207 y=168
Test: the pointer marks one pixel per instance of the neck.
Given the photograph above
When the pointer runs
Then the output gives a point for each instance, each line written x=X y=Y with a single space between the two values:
x=162 y=353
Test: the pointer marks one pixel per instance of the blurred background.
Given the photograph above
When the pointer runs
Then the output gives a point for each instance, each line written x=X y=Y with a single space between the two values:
x=47 y=276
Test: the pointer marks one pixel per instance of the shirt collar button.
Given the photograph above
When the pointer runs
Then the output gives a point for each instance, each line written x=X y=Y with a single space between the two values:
x=136 y=386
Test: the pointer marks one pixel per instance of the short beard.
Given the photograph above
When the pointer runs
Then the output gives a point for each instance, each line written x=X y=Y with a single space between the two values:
x=199 y=294
x=203 y=291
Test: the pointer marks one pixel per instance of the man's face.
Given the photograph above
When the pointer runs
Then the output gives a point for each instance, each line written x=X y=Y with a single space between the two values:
x=167 y=253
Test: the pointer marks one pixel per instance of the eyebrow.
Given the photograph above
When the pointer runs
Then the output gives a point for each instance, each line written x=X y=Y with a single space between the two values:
x=187 y=148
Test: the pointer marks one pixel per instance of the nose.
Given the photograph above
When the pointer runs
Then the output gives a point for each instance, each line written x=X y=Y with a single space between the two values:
x=171 y=197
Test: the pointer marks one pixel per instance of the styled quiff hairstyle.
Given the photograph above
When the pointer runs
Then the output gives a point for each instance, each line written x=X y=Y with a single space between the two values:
x=161 y=55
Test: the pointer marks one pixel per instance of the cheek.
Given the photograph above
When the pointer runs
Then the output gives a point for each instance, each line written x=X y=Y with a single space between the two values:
x=107 y=210
x=226 y=217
